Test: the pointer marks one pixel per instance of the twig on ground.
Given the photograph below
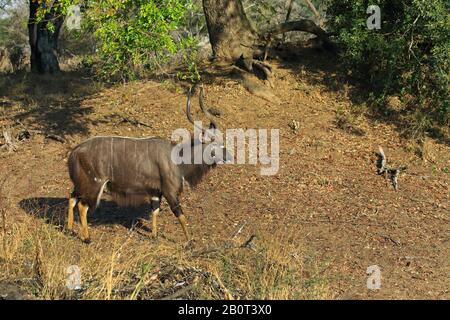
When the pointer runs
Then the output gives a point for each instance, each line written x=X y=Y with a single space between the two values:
x=226 y=246
x=56 y=138
x=179 y=293
x=388 y=237
x=134 y=122
x=239 y=231
x=248 y=243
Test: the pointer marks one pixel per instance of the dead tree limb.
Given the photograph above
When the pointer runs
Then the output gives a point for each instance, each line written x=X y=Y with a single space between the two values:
x=10 y=143
x=288 y=15
x=384 y=169
x=304 y=25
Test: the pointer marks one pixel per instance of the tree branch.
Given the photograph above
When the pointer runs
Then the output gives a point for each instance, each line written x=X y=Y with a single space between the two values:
x=313 y=8
x=288 y=14
x=304 y=25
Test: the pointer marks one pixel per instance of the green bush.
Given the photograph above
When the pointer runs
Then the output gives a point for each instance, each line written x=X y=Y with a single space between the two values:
x=136 y=36
x=408 y=57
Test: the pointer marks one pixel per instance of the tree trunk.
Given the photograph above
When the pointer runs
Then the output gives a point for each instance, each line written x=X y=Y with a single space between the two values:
x=230 y=32
x=43 y=42
x=234 y=40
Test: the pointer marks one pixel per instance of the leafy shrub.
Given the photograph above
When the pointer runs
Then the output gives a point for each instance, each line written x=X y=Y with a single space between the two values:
x=136 y=35
x=408 y=57
x=189 y=60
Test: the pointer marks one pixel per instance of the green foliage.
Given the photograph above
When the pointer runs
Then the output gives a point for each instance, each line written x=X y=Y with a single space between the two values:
x=189 y=61
x=131 y=38
x=408 y=57
x=264 y=13
x=136 y=36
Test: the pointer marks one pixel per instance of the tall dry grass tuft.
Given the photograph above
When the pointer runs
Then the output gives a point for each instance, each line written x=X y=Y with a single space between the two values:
x=276 y=267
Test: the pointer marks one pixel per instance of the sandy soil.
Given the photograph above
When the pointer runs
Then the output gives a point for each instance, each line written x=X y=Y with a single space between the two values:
x=326 y=196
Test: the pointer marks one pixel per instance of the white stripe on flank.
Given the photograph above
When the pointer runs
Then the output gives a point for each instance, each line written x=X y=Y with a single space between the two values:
x=99 y=196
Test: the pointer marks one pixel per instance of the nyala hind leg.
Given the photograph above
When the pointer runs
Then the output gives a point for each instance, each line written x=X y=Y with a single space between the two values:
x=155 y=204
x=71 y=206
x=83 y=211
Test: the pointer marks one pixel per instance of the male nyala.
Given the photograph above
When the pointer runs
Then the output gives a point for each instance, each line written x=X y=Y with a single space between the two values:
x=137 y=171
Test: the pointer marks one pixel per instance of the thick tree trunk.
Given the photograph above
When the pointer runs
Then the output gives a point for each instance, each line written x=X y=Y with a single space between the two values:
x=234 y=40
x=230 y=32
x=43 y=42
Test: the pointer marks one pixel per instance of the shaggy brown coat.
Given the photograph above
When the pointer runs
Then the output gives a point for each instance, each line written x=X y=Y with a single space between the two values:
x=133 y=169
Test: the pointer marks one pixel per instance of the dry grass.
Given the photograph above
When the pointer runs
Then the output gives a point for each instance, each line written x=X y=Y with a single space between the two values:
x=36 y=256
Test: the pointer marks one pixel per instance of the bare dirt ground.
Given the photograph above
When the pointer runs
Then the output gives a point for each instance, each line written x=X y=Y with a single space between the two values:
x=326 y=206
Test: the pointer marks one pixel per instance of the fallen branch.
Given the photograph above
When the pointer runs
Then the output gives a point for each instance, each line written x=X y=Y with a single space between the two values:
x=228 y=295
x=384 y=169
x=56 y=138
x=248 y=243
x=389 y=238
x=134 y=122
x=25 y=134
x=10 y=143
x=304 y=25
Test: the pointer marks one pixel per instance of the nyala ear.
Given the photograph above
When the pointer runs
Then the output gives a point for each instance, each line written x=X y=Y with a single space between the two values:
x=211 y=132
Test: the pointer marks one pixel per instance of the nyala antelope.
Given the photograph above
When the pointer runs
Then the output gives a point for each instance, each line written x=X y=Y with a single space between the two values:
x=138 y=170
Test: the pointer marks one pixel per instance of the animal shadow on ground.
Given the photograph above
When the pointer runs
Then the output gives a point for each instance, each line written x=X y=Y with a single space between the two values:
x=54 y=211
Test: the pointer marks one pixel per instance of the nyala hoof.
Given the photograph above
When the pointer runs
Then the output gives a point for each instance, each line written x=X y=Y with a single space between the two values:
x=87 y=241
